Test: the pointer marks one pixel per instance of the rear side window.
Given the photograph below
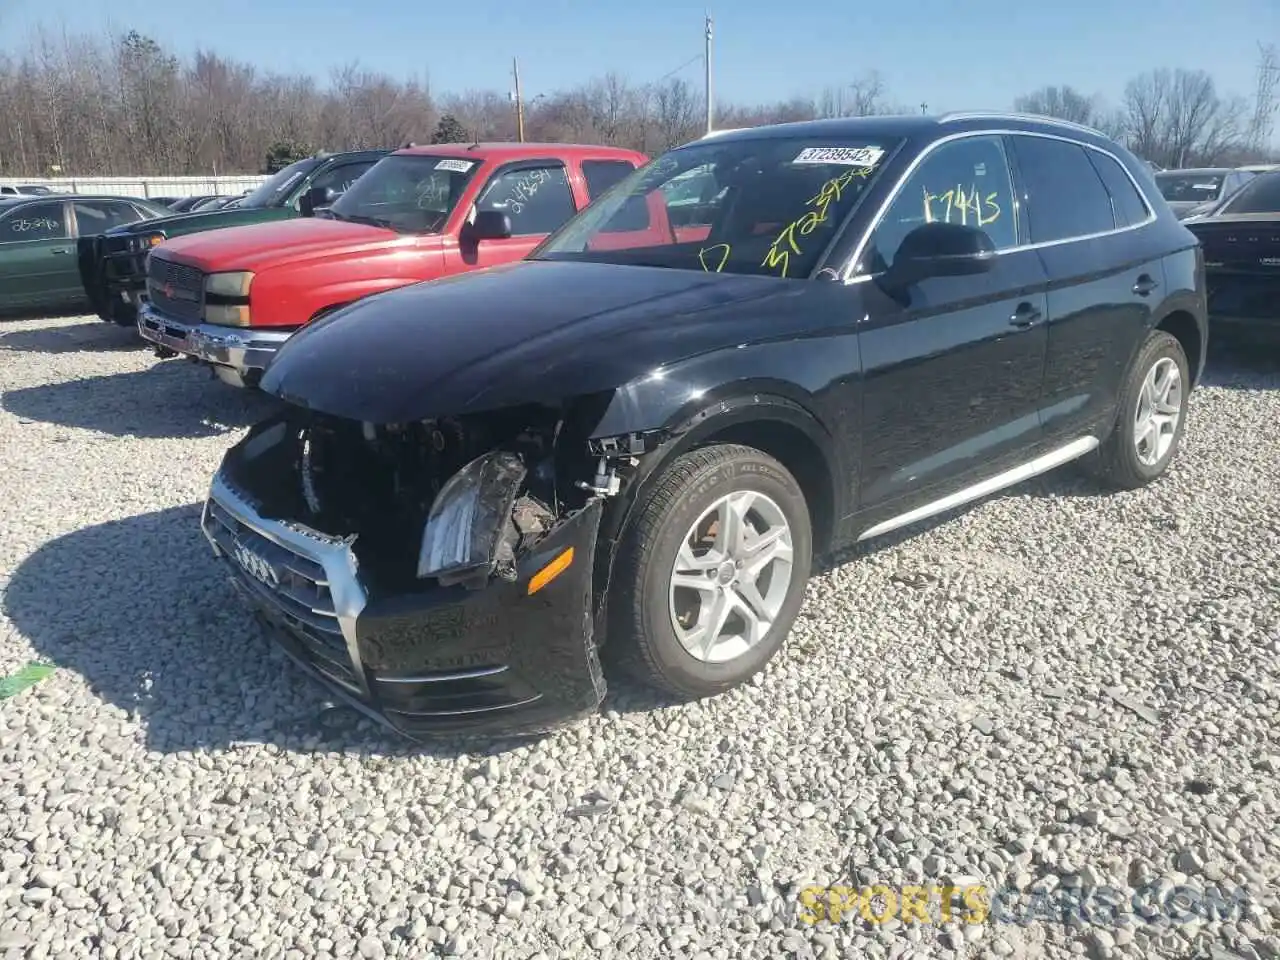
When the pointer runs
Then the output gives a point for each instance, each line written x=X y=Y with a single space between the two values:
x=1126 y=201
x=601 y=175
x=1065 y=196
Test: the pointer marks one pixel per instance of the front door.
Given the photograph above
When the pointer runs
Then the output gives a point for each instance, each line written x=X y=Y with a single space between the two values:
x=537 y=198
x=952 y=369
x=38 y=265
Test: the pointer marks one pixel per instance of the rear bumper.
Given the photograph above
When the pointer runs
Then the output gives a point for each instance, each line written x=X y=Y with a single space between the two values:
x=238 y=355
x=443 y=660
x=1245 y=302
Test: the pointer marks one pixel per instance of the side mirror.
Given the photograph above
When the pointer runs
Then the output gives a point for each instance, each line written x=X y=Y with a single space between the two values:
x=315 y=198
x=940 y=250
x=488 y=225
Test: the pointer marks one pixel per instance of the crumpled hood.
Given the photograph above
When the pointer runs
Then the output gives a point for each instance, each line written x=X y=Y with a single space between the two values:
x=259 y=245
x=531 y=331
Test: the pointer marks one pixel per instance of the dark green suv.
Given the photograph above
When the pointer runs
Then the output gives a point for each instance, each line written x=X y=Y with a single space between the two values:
x=113 y=265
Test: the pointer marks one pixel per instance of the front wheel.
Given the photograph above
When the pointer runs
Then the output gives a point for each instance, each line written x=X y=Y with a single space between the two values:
x=1152 y=415
x=711 y=572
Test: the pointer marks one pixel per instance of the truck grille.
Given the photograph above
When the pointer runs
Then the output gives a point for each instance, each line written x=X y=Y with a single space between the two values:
x=175 y=289
x=291 y=589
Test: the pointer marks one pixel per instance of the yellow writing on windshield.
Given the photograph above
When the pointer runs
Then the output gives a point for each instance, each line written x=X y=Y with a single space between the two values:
x=787 y=244
x=724 y=250
x=958 y=205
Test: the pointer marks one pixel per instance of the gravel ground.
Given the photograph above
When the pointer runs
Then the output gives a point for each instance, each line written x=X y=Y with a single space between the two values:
x=1056 y=691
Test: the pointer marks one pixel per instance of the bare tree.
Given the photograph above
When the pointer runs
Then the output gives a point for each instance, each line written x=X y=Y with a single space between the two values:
x=1065 y=103
x=1176 y=118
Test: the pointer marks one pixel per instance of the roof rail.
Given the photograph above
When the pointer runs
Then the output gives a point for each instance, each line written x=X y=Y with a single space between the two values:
x=1006 y=115
x=716 y=133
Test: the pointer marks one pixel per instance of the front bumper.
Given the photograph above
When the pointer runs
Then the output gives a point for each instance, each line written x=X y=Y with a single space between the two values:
x=444 y=660
x=239 y=356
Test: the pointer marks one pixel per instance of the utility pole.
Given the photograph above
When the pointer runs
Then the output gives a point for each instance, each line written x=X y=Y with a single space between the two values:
x=515 y=69
x=707 y=61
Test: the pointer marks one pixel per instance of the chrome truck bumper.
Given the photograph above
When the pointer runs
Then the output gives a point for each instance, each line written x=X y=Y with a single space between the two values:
x=238 y=356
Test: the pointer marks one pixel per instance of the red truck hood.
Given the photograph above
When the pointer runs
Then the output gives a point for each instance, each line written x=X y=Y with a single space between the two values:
x=260 y=245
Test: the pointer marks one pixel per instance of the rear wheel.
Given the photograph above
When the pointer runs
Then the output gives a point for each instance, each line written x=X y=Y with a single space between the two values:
x=711 y=572
x=1152 y=415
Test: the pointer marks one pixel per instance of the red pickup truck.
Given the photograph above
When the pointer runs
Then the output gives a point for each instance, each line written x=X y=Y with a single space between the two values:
x=230 y=297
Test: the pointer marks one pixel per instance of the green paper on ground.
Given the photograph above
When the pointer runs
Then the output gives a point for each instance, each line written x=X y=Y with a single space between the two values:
x=28 y=676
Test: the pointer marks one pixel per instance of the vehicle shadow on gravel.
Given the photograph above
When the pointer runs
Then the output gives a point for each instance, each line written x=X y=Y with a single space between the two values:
x=1235 y=364
x=141 y=609
x=72 y=338
x=168 y=400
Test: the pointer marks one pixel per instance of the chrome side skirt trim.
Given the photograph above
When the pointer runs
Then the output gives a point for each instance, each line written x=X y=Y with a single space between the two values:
x=446 y=677
x=1032 y=468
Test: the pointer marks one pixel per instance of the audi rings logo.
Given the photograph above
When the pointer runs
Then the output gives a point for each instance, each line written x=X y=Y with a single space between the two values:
x=256 y=565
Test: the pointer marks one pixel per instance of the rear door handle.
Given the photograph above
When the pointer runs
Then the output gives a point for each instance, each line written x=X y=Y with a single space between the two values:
x=1027 y=315
x=1144 y=285
x=59 y=252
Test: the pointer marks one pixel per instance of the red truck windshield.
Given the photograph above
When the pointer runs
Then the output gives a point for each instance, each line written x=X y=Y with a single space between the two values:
x=410 y=193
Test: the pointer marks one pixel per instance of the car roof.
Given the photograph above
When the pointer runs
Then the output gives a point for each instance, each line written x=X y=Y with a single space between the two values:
x=897 y=127
x=506 y=150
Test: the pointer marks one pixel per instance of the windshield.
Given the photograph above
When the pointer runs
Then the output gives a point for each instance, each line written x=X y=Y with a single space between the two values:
x=275 y=189
x=1259 y=195
x=761 y=206
x=407 y=192
x=1189 y=187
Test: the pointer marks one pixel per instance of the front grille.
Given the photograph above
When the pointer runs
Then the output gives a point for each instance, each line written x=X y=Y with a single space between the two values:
x=1245 y=296
x=175 y=288
x=297 y=597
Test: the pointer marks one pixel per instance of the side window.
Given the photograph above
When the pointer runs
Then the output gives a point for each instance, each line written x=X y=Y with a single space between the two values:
x=602 y=175
x=1065 y=197
x=966 y=182
x=97 y=216
x=341 y=176
x=537 y=199
x=1126 y=201
x=35 y=221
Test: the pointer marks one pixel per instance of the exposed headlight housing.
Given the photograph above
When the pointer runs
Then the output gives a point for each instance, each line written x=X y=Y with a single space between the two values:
x=231 y=285
x=147 y=241
x=464 y=535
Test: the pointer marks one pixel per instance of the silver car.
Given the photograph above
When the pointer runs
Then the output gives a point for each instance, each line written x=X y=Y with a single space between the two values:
x=1197 y=190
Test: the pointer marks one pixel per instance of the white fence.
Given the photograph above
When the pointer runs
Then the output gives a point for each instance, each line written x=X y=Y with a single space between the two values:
x=143 y=186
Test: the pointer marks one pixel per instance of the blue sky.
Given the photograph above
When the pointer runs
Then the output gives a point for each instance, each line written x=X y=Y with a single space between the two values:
x=950 y=54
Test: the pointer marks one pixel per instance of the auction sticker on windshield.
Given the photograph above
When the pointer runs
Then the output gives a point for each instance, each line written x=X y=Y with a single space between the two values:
x=848 y=156
x=456 y=166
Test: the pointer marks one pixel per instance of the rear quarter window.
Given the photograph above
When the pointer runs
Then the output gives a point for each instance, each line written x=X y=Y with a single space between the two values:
x=1129 y=206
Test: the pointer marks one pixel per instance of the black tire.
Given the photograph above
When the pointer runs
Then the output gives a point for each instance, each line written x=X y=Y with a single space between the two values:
x=641 y=637
x=1118 y=464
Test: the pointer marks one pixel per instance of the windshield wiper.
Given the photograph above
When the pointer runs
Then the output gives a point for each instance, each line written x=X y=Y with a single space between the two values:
x=357 y=218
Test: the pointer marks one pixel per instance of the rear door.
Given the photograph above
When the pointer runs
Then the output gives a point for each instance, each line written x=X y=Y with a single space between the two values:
x=952 y=370
x=37 y=257
x=535 y=195
x=1091 y=228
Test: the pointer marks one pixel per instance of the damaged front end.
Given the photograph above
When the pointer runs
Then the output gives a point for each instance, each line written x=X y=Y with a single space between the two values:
x=439 y=574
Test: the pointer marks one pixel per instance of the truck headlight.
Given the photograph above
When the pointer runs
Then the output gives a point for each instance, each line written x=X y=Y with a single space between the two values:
x=147 y=241
x=231 y=285
x=469 y=518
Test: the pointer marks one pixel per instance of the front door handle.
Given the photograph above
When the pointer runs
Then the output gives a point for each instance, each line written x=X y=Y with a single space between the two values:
x=1027 y=315
x=59 y=252
x=1144 y=285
